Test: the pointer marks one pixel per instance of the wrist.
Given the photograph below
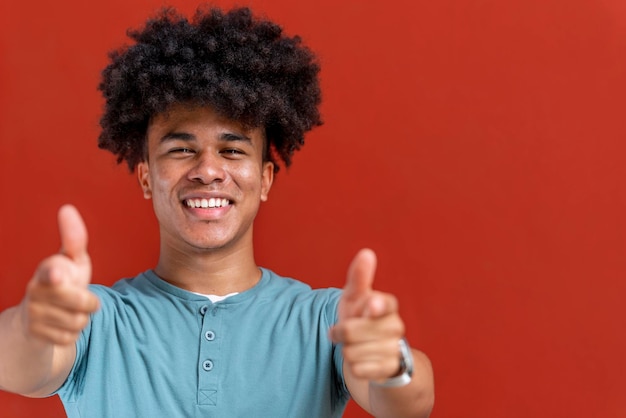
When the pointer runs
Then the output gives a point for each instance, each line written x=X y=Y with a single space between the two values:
x=403 y=377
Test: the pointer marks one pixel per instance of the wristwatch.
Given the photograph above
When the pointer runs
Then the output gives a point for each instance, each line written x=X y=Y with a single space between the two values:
x=406 y=367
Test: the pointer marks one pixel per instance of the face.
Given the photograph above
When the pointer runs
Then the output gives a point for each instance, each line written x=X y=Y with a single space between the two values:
x=206 y=177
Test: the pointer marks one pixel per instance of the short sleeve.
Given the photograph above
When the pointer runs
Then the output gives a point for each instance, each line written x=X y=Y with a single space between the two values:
x=71 y=388
x=332 y=315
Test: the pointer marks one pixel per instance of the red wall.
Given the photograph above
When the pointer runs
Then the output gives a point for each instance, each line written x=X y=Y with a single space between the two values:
x=477 y=146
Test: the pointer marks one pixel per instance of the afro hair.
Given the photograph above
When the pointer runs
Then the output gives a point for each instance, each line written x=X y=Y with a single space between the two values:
x=244 y=67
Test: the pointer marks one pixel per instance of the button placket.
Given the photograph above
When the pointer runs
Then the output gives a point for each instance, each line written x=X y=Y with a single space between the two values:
x=209 y=355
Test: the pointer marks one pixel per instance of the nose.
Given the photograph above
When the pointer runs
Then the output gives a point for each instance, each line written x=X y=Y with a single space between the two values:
x=208 y=168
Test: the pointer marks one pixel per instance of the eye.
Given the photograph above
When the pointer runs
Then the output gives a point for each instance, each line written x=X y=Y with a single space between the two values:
x=181 y=150
x=232 y=152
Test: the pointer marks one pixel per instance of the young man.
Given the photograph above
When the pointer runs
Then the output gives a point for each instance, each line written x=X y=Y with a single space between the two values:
x=203 y=111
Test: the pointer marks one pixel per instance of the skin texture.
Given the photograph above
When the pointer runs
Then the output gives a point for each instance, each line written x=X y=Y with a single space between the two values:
x=194 y=153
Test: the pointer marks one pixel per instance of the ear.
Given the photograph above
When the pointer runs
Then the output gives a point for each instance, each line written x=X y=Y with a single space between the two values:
x=143 y=175
x=267 y=178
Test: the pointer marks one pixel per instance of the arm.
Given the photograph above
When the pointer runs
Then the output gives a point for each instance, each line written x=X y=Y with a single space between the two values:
x=413 y=400
x=369 y=327
x=37 y=337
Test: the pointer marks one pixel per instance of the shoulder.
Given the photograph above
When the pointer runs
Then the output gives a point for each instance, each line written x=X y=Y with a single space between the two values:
x=295 y=287
x=143 y=283
x=119 y=289
x=128 y=292
x=300 y=295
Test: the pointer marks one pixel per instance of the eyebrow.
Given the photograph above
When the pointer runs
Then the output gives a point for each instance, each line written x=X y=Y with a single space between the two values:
x=172 y=136
x=231 y=136
x=184 y=136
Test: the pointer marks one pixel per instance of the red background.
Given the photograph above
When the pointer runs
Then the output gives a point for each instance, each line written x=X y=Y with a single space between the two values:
x=477 y=146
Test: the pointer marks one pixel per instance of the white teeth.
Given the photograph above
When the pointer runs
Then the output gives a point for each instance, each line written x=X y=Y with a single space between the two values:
x=207 y=203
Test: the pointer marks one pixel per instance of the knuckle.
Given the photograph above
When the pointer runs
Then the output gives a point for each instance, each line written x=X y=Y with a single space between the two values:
x=79 y=322
x=391 y=367
x=66 y=337
x=31 y=309
x=392 y=299
x=47 y=267
x=338 y=331
x=34 y=290
x=350 y=331
x=349 y=354
x=394 y=327
x=399 y=327
x=355 y=369
x=39 y=331
x=32 y=328
x=32 y=314
x=78 y=299
x=88 y=302
x=347 y=334
x=390 y=348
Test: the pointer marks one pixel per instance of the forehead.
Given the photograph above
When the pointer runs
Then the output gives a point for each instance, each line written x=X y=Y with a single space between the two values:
x=198 y=120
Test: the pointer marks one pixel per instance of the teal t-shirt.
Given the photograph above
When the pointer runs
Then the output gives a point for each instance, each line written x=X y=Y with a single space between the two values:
x=155 y=350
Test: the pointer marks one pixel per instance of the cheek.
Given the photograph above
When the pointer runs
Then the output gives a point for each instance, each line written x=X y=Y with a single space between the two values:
x=162 y=184
x=249 y=176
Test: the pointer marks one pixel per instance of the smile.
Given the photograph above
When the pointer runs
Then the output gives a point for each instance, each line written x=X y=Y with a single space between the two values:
x=207 y=203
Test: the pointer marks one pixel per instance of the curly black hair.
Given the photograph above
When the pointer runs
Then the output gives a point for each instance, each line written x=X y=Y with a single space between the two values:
x=242 y=66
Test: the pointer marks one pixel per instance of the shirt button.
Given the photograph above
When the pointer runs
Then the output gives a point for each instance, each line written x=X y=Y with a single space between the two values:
x=207 y=365
x=203 y=309
x=209 y=335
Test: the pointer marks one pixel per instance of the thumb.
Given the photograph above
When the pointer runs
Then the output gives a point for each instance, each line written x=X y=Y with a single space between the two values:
x=359 y=284
x=73 y=234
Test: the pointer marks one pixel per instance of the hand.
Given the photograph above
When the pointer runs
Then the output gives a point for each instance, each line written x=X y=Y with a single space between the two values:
x=369 y=325
x=58 y=303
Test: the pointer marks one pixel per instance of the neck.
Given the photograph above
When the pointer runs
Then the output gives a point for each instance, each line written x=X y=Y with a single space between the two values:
x=209 y=272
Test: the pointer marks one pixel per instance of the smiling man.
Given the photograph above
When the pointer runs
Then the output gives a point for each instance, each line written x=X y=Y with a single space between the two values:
x=203 y=111
x=206 y=176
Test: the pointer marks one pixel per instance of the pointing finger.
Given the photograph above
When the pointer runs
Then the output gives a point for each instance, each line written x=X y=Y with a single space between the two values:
x=359 y=283
x=360 y=274
x=73 y=234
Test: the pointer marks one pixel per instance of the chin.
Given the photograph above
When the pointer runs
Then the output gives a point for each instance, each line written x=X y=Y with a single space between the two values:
x=211 y=244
